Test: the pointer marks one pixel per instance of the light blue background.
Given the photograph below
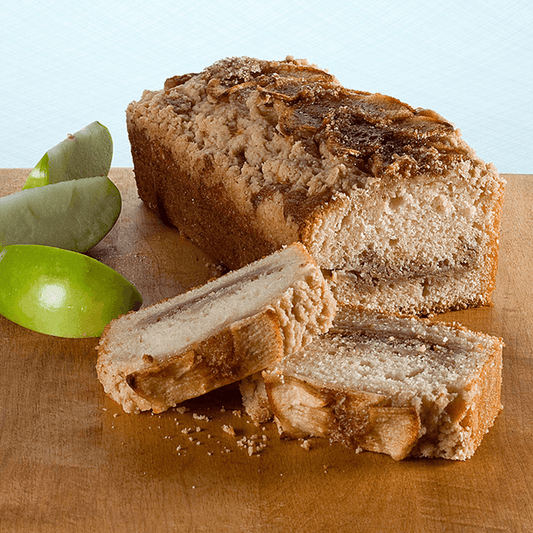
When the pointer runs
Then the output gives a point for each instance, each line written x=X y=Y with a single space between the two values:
x=64 y=64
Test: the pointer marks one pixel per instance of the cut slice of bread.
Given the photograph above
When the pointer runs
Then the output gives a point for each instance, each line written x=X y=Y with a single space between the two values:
x=216 y=334
x=400 y=386
x=250 y=155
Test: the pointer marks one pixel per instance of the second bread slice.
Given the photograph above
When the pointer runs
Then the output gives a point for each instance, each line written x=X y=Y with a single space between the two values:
x=216 y=334
x=400 y=386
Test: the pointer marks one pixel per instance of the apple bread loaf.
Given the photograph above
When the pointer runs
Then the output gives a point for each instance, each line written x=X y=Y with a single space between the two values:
x=396 y=385
x=215 y=334
x=250 y=155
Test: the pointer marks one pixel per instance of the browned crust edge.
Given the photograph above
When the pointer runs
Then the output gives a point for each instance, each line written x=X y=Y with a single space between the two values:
x=206 y=213
x=476 y=417
x=494 y=239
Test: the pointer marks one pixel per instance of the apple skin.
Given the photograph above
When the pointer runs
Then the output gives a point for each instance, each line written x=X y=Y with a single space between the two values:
x=61 y=293
x=74 y=215
x=87 y=153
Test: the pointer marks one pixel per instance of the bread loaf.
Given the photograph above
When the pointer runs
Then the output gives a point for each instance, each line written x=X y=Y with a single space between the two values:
x=216 y=334
x=251 y=155
x=400 y=386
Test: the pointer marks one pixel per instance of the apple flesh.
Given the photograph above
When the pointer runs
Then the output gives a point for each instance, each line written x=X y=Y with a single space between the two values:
x=74 y=215
x=85 y=154
x=60 y=292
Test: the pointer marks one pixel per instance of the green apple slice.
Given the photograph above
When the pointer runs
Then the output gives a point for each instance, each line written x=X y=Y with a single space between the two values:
x=74 y=215
x=62 y=293
x=85 y=154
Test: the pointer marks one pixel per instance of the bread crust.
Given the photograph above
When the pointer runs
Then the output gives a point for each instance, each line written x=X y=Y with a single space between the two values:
x=472 y=420
x=202 y=211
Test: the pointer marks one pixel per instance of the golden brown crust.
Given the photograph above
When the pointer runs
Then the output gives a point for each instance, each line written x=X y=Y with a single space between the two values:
x=369 y=131
x=493 y=231
x=205 y=213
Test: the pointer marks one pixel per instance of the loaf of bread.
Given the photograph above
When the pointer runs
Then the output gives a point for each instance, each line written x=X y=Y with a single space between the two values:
x=250 y=155
x=216 y=334
x=396 y=385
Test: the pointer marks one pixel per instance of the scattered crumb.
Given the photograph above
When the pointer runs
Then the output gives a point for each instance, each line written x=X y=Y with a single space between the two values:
x=305 y=444
x=254 y=444
x=229 y=430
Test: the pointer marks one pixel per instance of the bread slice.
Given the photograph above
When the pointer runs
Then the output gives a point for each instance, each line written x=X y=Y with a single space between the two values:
x=390 y=200
x=400 y=386
x=216 y=334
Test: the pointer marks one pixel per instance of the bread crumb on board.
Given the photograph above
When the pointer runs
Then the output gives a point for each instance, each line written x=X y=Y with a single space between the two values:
x=229 y=430
x=214 y=434
x=201 y=430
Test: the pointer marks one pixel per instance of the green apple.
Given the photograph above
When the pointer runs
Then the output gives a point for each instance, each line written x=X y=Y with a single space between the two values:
x=61 y=293
x=85 y=154
x=74 y=215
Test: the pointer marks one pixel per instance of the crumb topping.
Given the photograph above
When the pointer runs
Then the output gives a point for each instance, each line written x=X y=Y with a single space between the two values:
x=288 y=125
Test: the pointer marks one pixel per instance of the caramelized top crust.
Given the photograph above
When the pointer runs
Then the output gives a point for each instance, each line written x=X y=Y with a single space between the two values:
x=372 y=134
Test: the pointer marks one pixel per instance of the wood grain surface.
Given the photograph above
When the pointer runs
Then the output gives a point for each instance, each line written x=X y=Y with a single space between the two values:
x=72 y=461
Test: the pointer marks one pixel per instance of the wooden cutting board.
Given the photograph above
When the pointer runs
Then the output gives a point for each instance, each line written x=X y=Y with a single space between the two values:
x=72 y=461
